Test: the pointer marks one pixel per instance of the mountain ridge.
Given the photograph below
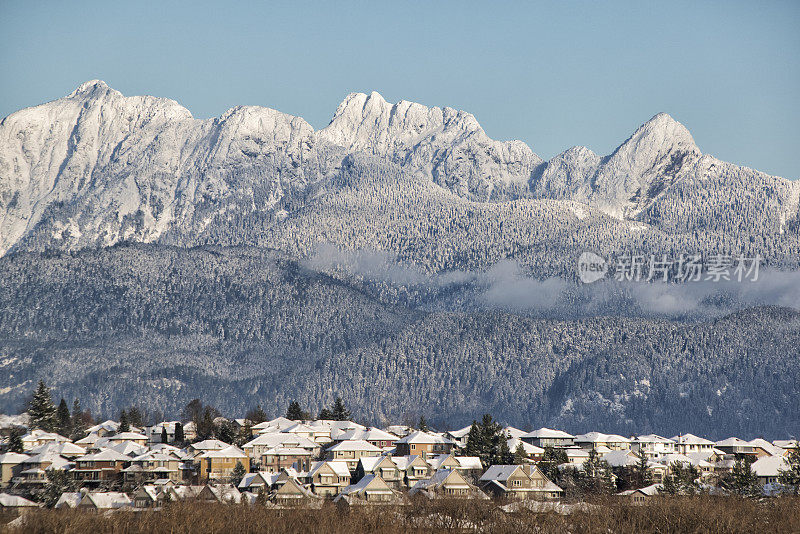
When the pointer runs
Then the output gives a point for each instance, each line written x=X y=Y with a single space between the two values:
x=96 y=167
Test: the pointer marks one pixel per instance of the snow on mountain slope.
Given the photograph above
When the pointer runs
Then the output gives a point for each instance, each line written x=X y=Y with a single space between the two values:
x=445 y=144
x=95 y=168
x=109 y=167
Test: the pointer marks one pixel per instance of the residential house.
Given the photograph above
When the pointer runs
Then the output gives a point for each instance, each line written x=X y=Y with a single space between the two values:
x=689 y=443
x=768 y=469
x=146 y=497
x=736 y=447
x=292 y=493
x=218 y=465
x=382 y=466
x=256 y=447
x=459 y=437
x=10 y=466
x=641 y=495
x=351 y=451
x=424 y=444
x=375 y=436
x=275 y=459
x=518 y=482
x=548 y=437
x=15 y=503
x=104 y=500
x=653 y=446
x=69 y=499
x=328 y=477
x=37 y=437
x=371 y=489
x=595 y=440
x=445 y=483
x=413 y=467
x=221 y=493
x=532 y=452
x=153 y=465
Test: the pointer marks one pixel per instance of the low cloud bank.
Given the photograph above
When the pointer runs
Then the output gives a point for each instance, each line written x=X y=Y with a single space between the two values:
x=507 y=286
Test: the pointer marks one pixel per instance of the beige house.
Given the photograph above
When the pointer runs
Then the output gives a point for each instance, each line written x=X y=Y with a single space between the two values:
x=371 y=489
x=445 y=483
x=10 y=466
x=424 y=444
x=518 y=482
x=218 y=465
x=328 y=477
x=351 y=452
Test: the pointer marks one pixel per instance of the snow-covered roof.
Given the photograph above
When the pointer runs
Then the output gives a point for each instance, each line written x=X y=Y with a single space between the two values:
x=15 y=501
x=107 y=499
x=13 y=458
x=461 y=432
x=69 y=499
x=420 y=437
x=339 y=467
x=354 y=445
x=599 y=437
x=529 y=448
x=732 y=442
x=499 y=472
x=769 y=466
x=652 y=438
x=620 y=458
x=765 y=445
x=231 y=451
x=652 y=489
x=368 y=434
x=104 y=455
x=691 y=439
x=65 y=447
x=209 y=445
x=543 y=433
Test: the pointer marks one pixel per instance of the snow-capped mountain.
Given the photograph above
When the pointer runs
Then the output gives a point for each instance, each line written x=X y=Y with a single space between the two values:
x=95 y=168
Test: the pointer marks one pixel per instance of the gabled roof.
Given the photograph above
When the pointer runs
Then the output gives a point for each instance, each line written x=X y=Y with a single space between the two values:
x=209 y=445
x=544 y=433
x=650 y=490
x=280 y=438
x=133 y=436
x=69 y=499
x=732 y=442
x=366 y=484
x=599 y=437
x=15 y=501
x=231 y=451
x=691 y=439
x=621 y=458
x=765 y=445
x=501 y=472
x=12 y=458
x=64 y=447
x=769 y=466
x=368 y=434
x=106 y=499
x=339 y=467
x=104 y=455
x=461 y=432
x=354 y=445
x=419 y=437
x=652 y=438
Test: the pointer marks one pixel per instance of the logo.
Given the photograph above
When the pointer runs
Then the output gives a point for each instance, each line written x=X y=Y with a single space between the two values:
x=591 y=267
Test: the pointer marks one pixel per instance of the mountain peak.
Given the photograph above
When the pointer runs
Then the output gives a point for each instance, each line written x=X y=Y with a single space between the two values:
x=91 y=87
x=662 y=131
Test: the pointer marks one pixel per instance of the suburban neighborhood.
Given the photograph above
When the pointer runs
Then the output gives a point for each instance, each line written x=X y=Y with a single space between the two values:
x=52 y=458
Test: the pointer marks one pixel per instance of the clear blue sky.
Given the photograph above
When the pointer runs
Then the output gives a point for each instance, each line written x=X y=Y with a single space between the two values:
x=552 y=74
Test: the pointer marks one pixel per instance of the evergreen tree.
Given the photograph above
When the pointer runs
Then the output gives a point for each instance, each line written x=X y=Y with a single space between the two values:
x=339 y=411
x=325 y=414
x=63 y=419
x=124 y=424
x=520 y=456
x=58 y=482
x=78 y=426
x=423 y=424
x=643 y=476
x=742 y=480
x=682 y=480
x=487 y=441
x=551 y=459
x=296 y=413
x=179 y=437
x=135 y=417
x=256 y=415
x=226 y=431
x=245 y=434
x=193 y=411
x=238 y=473
x=790 y=477
x=596 y=476
x=205 y=426
x=41 y=409
x=164 y=435
x=15 y=440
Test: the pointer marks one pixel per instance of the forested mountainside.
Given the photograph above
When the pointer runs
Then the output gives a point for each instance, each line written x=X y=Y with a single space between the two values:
x=157 y=326
x=97 y=168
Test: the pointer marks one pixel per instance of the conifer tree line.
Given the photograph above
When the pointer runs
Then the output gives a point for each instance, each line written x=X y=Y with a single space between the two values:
x=45 y=415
